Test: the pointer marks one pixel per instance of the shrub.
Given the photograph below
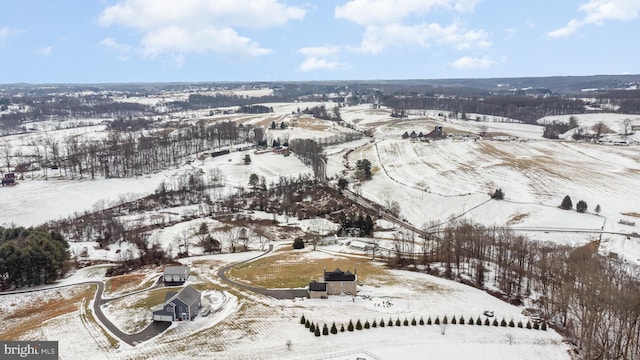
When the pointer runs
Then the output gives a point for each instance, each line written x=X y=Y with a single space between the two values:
x=366 y=324
x=529 y=325
x=334 y=329
x=298 y=243
x=461 y=321
x=317 y=332
x=390 y=323
x=566 y=203
x=453 y=320
x=437 y=321
x=405 y=322
x=341 y=327
x=511 y=323
x=421 y=322
x=413 y=322
x=479 y=321
x=350 y=326
x=381 y=323
x=307 y=324
x=543 y=326
x=495 y=322
x=398 y=322
x=358 y=325
x=536 y=326
x=503 y=323
x=520 y=324
x=486 y=322
x=445 y=320
x=302 y=320
x=374 y=324
x=581 y=206
x=429 y=321
x=312 y=328
x=325 y=330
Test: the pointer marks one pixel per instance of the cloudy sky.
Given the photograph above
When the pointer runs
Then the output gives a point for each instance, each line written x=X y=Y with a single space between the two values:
x=91 y=41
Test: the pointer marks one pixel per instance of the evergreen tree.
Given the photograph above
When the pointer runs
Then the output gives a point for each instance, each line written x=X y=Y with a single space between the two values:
x=487 y=322
x=528 y=325
x=307 y=324
x=398 y=323
x=358 y=325
x=445 y=320
x=581 y=206
x=421 y=321
x=429 y=321
x=437 y=321
x=366 y=324
x=302 y=320
x=503 y=323
x=334 y=329
x=325 y=330
x=341 y=327
x=598 y=209
x=520 y=324
x=312 y=328
x=317 y=331
x=470 y=321
x=479 y=321
x=498 y=194
x=566 y=203
x=350 y=326
x=461 y=321
x=413 y=322
x=511 y=323
x=390 y=323
x=405 y=322
x=543 y=326
x=495 y=322
x=374 y=324
x=381 y=323
x=536 y=326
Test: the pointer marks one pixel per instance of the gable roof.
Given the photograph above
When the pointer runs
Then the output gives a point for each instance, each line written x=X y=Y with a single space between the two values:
x=176 y=270
x=169 y=295
x=188 y=295
x=339 y=275
x=316 y=286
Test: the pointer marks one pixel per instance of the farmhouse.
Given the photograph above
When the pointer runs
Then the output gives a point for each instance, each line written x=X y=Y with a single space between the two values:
x=335 y=282
x=175 y=275
x=179 y=306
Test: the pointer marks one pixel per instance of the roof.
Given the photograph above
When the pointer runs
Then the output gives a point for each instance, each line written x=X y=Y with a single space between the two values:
x=169 y=295
x=176 y=270
x=339 y=275
x=316 y=286
x=188 y=295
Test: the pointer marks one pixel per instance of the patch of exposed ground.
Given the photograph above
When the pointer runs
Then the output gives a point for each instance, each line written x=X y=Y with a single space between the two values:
x=516 y=219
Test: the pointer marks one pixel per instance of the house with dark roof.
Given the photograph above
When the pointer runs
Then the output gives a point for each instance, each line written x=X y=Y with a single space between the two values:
x=335 y=282
x=175 y=275
x=179 y=306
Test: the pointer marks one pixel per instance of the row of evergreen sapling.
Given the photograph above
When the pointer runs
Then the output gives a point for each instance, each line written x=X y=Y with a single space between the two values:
x=315 y=328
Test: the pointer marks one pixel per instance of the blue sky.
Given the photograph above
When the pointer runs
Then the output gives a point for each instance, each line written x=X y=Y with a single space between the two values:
x=96 y=41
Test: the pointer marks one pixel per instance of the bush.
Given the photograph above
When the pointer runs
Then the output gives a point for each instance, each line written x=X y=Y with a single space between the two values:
x=366 y=324
x=503 y=323
x=317 y=332
x=342 y=328
x=298 y=243
x=566 y=203
x=453 y=320
x=437 y=321
x=413 y=322
x=543 y=326
x=520 y=324
x=334 y=329
x=445 y=320
x=381 y=323
x=307 y=324
x=511 y=323
x=429 y=321
x=350 y=326
x=325 y=330
x=302 y=320
x=390 y=323
x=406 y=322
x=498 y=194
x=536 y=326
x=312 y=328
x=374 y=324
x=398 y=322
x=479 y=321
x=495 y=322
x=461 y=321
x=486 y=322
x=421 y=322
x=529 y=325
x=581 y=206
x=343 y=183
x=358 y=325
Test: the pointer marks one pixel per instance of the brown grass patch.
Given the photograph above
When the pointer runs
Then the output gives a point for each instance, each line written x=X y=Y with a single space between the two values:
x=124 y=282
x=632 y=214
x=32 y=316
x=517 y=218
x=154 y=298
x=291 y=269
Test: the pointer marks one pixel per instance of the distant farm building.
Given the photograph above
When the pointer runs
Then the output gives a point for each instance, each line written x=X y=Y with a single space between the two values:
x=335 y=282
x=179 y=306
x=175 y=275
x=436 y=133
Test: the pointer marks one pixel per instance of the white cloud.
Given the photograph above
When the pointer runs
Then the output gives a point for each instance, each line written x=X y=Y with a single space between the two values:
x=597 y=12
x=198 y=26
x=45 y=50
x=468 y=62
x=6 y=33
x=380 y=12
x=111 y=43
x=321 y=58
x=377 y=38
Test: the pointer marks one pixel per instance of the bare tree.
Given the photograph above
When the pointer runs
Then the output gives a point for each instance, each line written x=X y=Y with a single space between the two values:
x=626 y=126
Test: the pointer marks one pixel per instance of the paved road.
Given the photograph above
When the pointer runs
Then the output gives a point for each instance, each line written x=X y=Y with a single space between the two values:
x=274 y=293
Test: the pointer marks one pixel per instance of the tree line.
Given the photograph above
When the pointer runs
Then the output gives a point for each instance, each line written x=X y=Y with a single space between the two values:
x=592 y=299
x=31 y=257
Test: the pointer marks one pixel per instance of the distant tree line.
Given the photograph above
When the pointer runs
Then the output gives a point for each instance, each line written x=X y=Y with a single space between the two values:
x=524 y=108
x=31 y=256
x=255 y=109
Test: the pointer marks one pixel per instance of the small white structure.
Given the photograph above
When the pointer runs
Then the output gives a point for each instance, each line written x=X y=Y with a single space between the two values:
x=175 y=275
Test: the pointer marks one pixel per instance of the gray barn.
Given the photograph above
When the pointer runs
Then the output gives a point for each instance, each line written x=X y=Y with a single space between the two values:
x=175 y=275
x=180 y=306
